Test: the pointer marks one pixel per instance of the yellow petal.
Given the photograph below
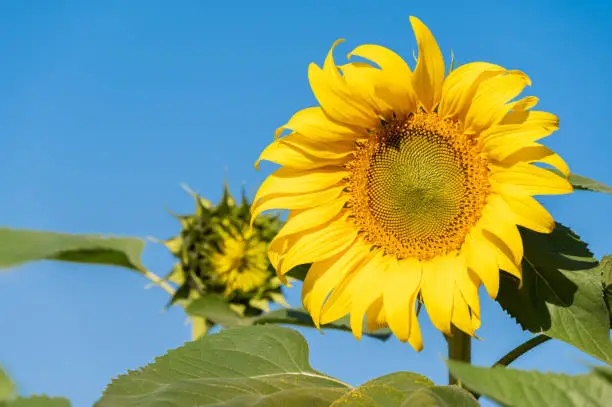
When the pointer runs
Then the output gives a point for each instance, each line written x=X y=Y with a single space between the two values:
x=276 y=253
x=340 y=300
x=366 y=288
x=290 y=181
x=482 y=260
x=299 y=152
x=416 y=339
x=505 y=259
x=461 y=317
x=461 y=85
x=298 y=201
x=490 y=103
x=525 y=103
x=402 y=284
x=363 y=79
x=336 y=97
x=531 y=179
x=375 y=316
x=530 y=153
x=468 y=284
x=428 y=75
x=438 y=287
x=311 y=218
x=476 y=321
x=503 y=238
x=520 y=127
x=324 y=276
x=396 y=85
x=528 y=212
x=317 y=126
x=319 y=244
x=508 y=265
x=498 y=219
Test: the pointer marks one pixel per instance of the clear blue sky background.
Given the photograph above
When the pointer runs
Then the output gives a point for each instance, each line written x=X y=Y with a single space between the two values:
x=105 y=107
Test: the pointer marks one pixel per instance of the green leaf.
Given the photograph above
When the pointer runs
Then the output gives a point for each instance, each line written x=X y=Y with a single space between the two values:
x=586 y=184
x=19 y=246
x=561 y=295
x=511 y=387
x=299 y=272
x=299 y=317
x=246 y=366
x=440 y=396
x=405 y=389
x=606 y=276
x=583 y=183
x=7 y=387
x=37 y=401
x=215 y=308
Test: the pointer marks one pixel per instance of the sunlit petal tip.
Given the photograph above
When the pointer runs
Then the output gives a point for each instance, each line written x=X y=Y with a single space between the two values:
x=415 y=20
x=525 y=103
x=416 y=341
x=523 y=75
x=338 y=41
x=329 y=60
x=278 y=132
x=429 y=72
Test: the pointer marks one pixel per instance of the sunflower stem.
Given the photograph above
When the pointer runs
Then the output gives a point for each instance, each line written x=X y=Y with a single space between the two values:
x=459 y=348
x=521 y=350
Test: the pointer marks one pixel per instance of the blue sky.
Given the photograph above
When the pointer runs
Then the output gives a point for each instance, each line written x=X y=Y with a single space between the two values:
x=107 y=106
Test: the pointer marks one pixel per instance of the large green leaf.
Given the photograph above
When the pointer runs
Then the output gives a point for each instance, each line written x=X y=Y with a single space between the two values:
x=561 y=294
x=299 y=317
x=407 y=390
x=216 y=309
x=517 y=388
x=20 y=246
x=247 y=366
x=587 y=184
x=440 y=396
x=37 y=401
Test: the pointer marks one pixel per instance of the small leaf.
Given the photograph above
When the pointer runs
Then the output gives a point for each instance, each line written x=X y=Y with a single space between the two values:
x=583 y=183
x=405 y=389
x=215 y=308
x=37 y=401
x=299 y=317
x=7 y=387
x=511 y=387
x=247 y=366
x=561 y=295
x=587 y=184
x=19 y=246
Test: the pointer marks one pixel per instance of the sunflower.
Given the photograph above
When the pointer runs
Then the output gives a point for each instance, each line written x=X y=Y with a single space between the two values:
x=219 y=253
x=241 y=263
x=408 y=185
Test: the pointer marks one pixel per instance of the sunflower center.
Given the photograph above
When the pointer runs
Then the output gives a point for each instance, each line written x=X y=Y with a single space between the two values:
x=241 y=264
x=417 y=186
